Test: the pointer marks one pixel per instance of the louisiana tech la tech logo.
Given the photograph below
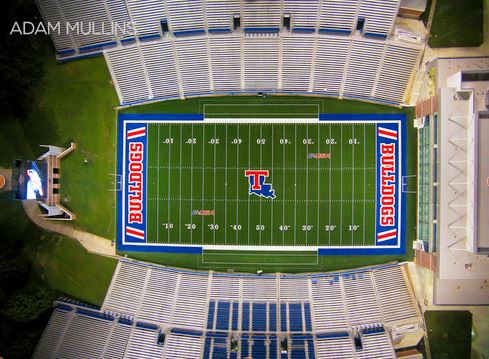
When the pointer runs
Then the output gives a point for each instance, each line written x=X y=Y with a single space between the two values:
x=257 y=183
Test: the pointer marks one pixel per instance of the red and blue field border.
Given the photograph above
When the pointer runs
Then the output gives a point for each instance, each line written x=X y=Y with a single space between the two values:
x=132 y=128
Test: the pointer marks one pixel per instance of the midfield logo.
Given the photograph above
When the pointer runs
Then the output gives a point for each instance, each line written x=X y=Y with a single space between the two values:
x=257 y=183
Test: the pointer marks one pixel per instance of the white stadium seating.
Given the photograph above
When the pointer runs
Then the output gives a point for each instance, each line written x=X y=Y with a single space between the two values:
x=199 y=15
x=338 y=15
x=330 y=63
x=142 y=344
x=261 y=14
x=363 y=66
x=225 y=55
x=379 y=15
x=129 y=74
x=220 y=13
x=184 y=15
x=157 y=312
x=297 y=55
x=261 y=65
x=161 y=68
x=146 y=15
x=304 y=13
x=334 y=65
x=339 y=48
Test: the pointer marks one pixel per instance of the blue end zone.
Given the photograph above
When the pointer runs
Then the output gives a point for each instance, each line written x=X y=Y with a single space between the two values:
x=391 y=201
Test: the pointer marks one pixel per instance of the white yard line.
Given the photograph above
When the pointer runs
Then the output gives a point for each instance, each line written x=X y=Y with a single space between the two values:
x=364 y=176
x=169 y=177
x=237 y=185
x=158 y=189
x=203 y=179
x=180 y=196
x=261 y=155
x=341 y=184
x=271 y=226
x=319 y=187
x=307 y=182
x=249 y=163
x=226 y=188
x=295 y=183
x=329 y=191
x=191 y=182
x=214 y=217
x=353 y=183
x=283 y=185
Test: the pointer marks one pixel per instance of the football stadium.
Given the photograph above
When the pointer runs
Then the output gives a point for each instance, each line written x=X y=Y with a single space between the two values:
x=245 y=179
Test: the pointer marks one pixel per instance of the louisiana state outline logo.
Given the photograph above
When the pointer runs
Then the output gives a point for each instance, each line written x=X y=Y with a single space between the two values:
x=257 y=183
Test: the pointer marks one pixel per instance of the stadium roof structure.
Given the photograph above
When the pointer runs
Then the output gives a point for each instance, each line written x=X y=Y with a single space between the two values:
x=459 y=190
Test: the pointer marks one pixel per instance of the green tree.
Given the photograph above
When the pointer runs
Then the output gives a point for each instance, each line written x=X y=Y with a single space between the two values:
x=28 y=303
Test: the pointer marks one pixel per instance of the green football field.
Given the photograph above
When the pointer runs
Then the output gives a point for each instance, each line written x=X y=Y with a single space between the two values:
x=194 y=167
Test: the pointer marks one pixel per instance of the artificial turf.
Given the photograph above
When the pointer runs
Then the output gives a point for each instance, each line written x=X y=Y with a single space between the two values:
x=318 y=201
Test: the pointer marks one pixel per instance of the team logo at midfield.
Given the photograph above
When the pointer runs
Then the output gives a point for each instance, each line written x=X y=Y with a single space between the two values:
x=257 y=183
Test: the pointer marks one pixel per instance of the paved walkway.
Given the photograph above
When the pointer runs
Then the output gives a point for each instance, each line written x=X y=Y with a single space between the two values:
x=91 y=242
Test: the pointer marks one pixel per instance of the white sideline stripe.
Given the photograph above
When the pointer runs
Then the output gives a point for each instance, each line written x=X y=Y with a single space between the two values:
x=260 y=248
x=158 y=190
x=234 y=122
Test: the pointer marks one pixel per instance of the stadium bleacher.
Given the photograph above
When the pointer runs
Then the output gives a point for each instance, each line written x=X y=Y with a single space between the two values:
x=242 y=63
x=216 y=315
x=345 y=49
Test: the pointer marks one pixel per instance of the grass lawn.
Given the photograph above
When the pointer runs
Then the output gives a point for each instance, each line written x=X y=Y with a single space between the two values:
x=449 y=333
x=61 y=262
x=457 y=23
x=68 y=268
x=77 y=100
x=74 y=102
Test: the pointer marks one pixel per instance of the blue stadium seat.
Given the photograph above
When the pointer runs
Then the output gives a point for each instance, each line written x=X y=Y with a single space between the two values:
x=307 y=316
x=210 y=318
x=259 y=323
x=223 y=311
x=273 y=347
x=259 y=349
x=245 y=323
x=234 y=324
x=220 y=348
x=295 y=317
x=245 y=350
x=298 y=349
x=310 y=347
x=283 y=317
x=272 y=325
x=207 y=348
